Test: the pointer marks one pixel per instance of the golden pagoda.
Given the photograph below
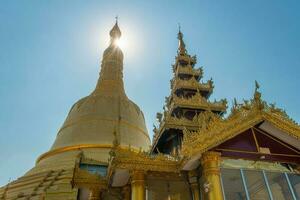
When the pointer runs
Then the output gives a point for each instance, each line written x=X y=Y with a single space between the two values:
x=188 y=99
x=103 y=150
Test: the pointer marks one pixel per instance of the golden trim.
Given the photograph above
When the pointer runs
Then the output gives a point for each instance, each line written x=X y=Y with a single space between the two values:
x=191 y=84
x=251 y=152
x=275 y=139
x=252 y=164
x=197 y=102
x=189 y=70
x=243 y=117
x=22 y=184
x=78 y=147
x=255 y=139
x=237 y=150
x=143 y=161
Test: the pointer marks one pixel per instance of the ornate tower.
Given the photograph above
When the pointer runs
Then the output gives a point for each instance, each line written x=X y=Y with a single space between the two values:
x=183 y=108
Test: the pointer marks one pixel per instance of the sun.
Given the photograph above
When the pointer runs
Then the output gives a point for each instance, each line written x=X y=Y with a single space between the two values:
x=121 y=42
x=129 y=42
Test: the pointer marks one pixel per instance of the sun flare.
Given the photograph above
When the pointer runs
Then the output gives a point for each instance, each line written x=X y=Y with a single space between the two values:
x=121 y=42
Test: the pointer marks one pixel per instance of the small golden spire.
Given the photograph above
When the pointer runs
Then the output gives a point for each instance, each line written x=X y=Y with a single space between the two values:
x=257 y=97
x=111 y=76
x=256 y=86
x=181 y=46
x=115 y=32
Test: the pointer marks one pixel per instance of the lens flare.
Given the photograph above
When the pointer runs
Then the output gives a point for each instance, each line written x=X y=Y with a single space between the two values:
x=121 y=43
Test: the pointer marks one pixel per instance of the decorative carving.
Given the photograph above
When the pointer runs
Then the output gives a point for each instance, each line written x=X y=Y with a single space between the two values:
x=83 y=178
x=137 y=178
x=190 y=71
x=201 y=120
x=198 y=102
x=192 y=84
x=144 y=161
x=159 y=116
x=185 y=59
x=242 y=117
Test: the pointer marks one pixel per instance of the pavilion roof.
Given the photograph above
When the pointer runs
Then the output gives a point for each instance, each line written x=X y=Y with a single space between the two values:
x=216 y=130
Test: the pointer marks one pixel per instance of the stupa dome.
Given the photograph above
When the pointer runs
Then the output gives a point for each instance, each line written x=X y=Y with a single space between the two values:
x=95 y=118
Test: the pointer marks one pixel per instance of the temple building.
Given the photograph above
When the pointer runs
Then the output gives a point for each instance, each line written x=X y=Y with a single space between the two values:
x=200 y=149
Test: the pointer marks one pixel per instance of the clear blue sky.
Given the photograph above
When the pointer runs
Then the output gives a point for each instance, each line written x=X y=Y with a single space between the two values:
x=50 y=53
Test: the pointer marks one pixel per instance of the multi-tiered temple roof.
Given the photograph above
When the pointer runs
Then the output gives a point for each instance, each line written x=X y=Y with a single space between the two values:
x=188 y=98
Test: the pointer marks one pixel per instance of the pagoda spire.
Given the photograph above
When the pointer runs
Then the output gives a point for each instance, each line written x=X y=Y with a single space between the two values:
x=181 y=44
x=110 y=82
x=187 y=103
x=115 y=33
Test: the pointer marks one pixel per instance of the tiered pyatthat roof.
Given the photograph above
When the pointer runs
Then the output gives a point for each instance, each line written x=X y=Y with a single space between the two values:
x=189 y=95
x=186 y=90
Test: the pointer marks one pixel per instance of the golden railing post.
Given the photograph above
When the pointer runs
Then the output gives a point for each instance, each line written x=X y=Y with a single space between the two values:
x=138 y=185
x=212 y=188
x=193 y=179
x=95 y=194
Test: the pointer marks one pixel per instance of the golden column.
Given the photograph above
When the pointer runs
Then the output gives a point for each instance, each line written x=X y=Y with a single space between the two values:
x=138 y=185
x=193 y=179
x=95 y=194
x=210 y=162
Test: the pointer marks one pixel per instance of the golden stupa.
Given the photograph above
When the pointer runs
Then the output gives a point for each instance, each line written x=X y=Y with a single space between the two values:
x=91 y=127
x=95 y=121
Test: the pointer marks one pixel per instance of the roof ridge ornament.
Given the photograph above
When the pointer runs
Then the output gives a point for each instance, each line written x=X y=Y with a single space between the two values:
x=257 y=86
x=258 y=102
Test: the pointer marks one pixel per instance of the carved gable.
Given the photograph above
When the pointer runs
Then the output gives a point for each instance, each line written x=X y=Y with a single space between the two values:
x=256 y=144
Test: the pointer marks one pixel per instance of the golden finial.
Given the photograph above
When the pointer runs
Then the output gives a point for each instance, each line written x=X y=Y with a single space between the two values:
x=256 y=86
x=256 y=92
x=115 y=32
x=181 y=46
x=257 y=97
x=235 y=104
